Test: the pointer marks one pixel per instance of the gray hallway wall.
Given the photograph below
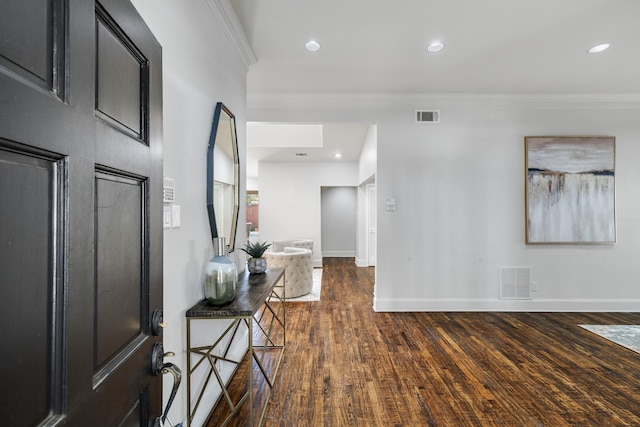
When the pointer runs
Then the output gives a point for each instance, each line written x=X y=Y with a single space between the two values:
x=339 y=208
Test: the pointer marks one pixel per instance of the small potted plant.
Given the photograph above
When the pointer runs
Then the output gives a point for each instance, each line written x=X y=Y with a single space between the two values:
x=256 y=263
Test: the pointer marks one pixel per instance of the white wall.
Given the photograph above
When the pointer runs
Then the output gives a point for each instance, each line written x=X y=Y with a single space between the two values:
x=199 y=70
x=459 y=191
x=252 y=185
x=367 y=165
x=361 y=226
x=368 y=156
x=290 y=199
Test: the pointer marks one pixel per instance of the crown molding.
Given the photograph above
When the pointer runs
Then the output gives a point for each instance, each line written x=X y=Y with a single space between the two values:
x=383 y=101
x=230 y=25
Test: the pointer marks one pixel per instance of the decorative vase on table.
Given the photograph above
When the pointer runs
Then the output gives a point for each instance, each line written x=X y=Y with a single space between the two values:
x=256 y=264
x=220 y=275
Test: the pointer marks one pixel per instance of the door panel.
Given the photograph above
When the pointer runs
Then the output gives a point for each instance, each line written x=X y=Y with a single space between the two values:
x=80 y=220
x=29 y=237
x=137 y=415
x=127 y=216
x=120 y=94
x=39 y=26
x=120 y=281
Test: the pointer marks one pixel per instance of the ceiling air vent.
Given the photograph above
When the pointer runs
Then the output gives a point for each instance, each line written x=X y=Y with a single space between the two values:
x=427 y=116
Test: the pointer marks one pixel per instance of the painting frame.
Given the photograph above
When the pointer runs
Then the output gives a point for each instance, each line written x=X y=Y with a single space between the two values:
x=570 y=195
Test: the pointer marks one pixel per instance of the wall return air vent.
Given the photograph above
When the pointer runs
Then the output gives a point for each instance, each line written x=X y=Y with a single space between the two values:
x=427 y=116
x=515 y=282
x=168 y=190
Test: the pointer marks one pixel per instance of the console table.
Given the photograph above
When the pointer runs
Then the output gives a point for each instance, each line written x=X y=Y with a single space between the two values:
x=258 y=312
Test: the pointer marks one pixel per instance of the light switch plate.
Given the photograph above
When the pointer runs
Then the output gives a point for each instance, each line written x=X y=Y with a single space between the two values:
x=175 y=216
x=390 y=205
x=166 y=216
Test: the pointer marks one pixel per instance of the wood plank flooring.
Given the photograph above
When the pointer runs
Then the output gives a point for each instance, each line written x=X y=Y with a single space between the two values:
x=346 y=365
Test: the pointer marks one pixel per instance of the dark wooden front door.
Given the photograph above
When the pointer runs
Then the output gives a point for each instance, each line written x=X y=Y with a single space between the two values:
x=80 y=214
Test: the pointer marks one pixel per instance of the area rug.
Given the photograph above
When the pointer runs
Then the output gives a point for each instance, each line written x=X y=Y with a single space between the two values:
x=625 y=335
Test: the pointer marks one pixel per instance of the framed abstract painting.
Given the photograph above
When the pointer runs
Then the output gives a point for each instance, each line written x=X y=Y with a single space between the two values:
x=570 y=189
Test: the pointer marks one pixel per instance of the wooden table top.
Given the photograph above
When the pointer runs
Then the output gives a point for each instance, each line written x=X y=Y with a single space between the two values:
x=251 y=292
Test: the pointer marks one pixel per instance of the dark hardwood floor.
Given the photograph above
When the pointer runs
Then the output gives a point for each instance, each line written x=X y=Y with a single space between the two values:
x=346 y=365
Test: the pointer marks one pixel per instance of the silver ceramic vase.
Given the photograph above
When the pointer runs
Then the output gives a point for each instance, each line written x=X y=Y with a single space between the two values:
x=257 y=265
x=220 y=275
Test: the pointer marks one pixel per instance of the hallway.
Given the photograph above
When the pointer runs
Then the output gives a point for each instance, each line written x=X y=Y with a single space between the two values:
x=346 y=365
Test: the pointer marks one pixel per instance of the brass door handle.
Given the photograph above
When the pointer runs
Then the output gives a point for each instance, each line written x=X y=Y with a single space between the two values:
x=158 y=367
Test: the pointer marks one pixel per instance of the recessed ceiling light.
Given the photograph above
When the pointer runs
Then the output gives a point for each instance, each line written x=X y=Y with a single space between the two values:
x=599 y=48
x=312 y=46
x=337 y=155
x=435 y=47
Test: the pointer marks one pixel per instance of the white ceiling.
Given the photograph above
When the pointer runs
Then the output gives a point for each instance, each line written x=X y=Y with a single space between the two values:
x=343 y=138
x=491 y=46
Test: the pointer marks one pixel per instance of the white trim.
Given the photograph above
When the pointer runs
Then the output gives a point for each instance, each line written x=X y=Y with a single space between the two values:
x=230 y=25
x=338 y=254
x=426 y=305
x=381 y=101
x=361 y=262
x=371 y=259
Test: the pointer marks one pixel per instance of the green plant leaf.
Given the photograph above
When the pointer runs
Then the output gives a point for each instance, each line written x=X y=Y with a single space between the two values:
x=256 y=249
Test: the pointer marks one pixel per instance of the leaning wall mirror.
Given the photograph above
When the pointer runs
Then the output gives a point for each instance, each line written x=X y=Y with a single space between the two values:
x=223 y=189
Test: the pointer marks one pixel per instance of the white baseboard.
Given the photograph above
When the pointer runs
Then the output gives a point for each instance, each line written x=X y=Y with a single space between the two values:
x=339 y=254
x=586 y=305
x=360 y=262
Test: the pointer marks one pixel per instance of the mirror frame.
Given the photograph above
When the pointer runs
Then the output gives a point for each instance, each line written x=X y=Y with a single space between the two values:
x=231 y=239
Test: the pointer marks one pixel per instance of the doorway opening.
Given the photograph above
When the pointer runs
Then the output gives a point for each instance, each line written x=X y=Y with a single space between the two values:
x=338 y=221
x=253 y=216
